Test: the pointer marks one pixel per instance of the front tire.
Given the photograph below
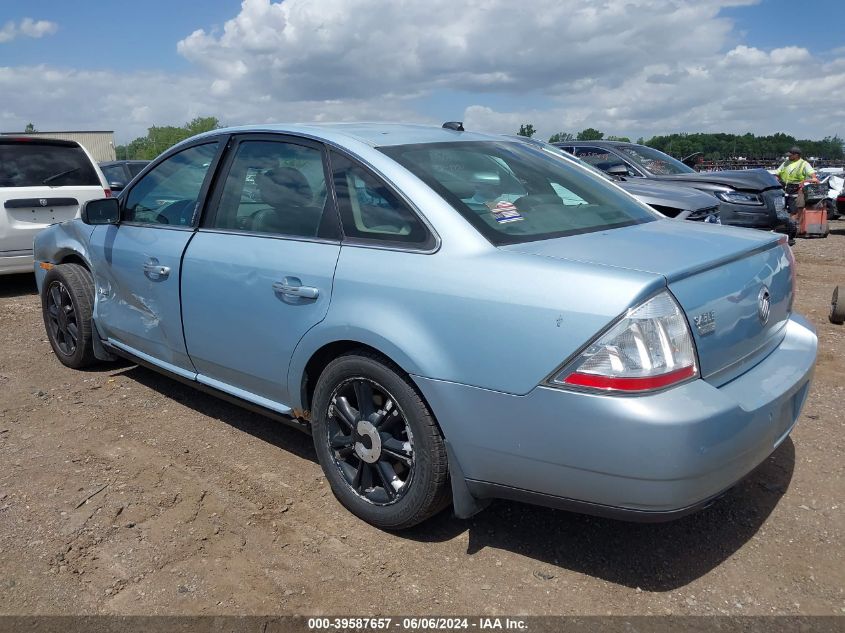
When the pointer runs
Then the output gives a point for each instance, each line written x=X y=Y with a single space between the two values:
x=67 y=303
x=377 y=442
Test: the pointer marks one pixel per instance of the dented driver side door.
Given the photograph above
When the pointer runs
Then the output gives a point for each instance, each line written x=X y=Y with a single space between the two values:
x=137 y=263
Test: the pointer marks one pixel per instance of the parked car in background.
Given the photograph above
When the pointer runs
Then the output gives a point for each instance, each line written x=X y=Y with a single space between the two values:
x=752 y=198
x=118 y=173
x=448 y=313
x=42 y=182
x=673 y=201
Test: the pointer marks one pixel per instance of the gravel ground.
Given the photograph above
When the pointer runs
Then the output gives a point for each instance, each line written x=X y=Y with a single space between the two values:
x=123 y=492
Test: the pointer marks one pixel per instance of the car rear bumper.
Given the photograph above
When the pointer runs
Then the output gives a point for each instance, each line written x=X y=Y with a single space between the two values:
x=650 y=457
x=15 y=262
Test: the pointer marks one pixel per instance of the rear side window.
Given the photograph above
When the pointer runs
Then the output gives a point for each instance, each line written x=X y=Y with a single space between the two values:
x=34 y=164
x=371 y=211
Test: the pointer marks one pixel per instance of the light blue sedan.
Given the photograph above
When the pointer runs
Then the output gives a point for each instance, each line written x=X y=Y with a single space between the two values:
x=454 y=317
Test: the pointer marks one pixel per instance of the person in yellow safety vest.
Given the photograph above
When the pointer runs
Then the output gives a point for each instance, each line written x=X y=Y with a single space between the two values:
x=792 y=172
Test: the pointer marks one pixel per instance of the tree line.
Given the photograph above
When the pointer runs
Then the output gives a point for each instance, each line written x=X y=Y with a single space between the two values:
x=159 y=138
x=713 y=146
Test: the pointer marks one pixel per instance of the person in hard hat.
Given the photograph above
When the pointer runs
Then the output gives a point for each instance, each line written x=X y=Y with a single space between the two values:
x=792 y=172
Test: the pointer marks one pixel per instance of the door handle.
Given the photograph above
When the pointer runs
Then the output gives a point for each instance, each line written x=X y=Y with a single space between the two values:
x=292 y=287
x=154 y=270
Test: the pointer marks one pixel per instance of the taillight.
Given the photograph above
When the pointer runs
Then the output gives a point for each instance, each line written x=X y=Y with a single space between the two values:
x=107 y=192
x=650 y=348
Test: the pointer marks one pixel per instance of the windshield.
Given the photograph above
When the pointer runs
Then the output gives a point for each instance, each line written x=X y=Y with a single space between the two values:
x=655 y=161
x=512 y=192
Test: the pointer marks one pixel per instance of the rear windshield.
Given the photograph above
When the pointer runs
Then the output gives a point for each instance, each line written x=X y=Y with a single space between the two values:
x=33 y=164
x=513 y=192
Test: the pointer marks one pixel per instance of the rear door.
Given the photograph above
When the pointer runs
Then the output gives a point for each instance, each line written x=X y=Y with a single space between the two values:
x=259 y=272
x=137 y=264
x=42 y=182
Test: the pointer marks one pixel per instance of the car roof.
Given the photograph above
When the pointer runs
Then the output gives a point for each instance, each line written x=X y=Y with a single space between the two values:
x=373 y=134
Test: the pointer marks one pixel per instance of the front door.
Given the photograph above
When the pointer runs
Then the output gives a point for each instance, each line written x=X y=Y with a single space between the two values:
x=259 y=272
x=137 y=263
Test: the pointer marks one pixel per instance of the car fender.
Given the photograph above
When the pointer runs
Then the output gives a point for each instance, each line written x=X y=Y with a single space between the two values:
x=60 y=242
x=324 y=334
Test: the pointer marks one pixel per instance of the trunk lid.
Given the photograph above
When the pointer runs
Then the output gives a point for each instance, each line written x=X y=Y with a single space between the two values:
x=719 y=275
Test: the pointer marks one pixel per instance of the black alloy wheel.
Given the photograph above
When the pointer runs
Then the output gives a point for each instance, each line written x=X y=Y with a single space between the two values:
x=371 y=441
x=62 y=321
x=67 y=303
x=378 y=444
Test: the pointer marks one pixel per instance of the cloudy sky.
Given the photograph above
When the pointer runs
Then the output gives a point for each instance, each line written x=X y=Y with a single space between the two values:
x=627 y=67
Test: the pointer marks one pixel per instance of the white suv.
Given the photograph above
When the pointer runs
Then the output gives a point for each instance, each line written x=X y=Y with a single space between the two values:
x=42 y=182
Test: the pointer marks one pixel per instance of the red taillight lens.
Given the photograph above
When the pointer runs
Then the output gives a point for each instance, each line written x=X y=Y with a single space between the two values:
x=594 y=381
x=107 y=192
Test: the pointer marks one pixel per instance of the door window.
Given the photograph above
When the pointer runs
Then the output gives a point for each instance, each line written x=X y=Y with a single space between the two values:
x=275 y=187
x=370 y=210
x=168 y=194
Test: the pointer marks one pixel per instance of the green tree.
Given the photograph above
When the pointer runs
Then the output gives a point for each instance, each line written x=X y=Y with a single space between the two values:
x=160 y=138
x=624 y=139
x=590 y=134
x=561 y=137
x=30 y=128
x=526 y=129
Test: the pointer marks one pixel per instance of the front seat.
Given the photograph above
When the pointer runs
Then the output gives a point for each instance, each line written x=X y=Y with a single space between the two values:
x=291 y=201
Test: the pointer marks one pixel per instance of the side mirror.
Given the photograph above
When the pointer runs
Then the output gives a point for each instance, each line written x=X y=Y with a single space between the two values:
x=104 y=211
x=117 y=185
x=618 y=170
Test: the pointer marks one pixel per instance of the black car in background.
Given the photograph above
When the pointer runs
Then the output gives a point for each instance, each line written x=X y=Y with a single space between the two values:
x=118 y=173
x=752 y=198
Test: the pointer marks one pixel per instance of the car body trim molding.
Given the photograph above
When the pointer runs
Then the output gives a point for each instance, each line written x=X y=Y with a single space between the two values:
x=244 y=395
x=173 y=369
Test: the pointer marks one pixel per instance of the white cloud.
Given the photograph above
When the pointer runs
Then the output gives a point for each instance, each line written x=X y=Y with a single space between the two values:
x=639 y=67
x=27 y=28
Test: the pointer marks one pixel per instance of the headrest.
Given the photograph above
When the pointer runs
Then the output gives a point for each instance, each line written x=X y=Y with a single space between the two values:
x=284 y=187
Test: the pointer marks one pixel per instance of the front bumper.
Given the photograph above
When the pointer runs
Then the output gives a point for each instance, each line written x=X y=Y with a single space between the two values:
x=15 y=262
x=649 y=456
x=750 y=217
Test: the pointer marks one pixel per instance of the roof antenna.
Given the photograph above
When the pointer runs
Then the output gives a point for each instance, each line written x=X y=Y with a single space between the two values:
x=458 y=126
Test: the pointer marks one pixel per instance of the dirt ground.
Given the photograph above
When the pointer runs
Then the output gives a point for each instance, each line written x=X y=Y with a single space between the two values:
x=123 y=492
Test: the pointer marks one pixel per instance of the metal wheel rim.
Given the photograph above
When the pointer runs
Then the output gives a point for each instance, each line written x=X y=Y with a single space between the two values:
x=61 y=318
x=386 y=480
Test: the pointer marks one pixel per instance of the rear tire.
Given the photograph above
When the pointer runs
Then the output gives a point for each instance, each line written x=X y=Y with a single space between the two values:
x=67 y=303
x=837 y=308
x=377 y=442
